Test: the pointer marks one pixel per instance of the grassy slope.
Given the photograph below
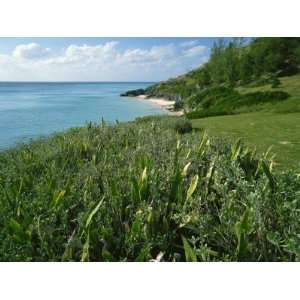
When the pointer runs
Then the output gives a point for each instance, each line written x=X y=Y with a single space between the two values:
x=276 y=125
x=261 y=130
x=131 y=191
x=290 y=84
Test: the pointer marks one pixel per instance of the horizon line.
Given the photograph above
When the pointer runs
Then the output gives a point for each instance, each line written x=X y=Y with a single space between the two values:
x=71 y=81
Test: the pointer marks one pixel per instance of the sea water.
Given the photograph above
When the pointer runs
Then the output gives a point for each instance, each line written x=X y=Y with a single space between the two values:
x=30 y=110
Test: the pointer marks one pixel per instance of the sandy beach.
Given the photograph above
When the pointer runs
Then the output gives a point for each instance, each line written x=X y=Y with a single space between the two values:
x=163 y=103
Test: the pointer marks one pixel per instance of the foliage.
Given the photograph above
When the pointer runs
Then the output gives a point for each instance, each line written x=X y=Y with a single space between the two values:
x=183 y=126
x=209 y=97
x=219 y=101
x=178 y=105
x=138 y=192
x=245 y=62
x=275 y=83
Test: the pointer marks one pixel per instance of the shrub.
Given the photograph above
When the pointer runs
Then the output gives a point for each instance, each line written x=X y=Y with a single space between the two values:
x=275 y=83
x=262 y=97
x=232 y=102
x=183 y=126
x=148 y=119
x=198 y=114
x=209 y=97
x=178 y=105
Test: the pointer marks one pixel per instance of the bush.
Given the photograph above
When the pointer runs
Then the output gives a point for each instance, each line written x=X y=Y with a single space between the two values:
x=262 y=97
x=183 y=126
x=232 y=102
x=178 y=105
x=198 y=114
x=209 y=97
x=275 y=83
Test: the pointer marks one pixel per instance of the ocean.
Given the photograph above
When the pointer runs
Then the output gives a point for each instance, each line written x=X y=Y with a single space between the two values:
x=31 y=110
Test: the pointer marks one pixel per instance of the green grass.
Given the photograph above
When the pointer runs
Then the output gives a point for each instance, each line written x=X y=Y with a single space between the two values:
x=290 y=85
x=275 y=124
x=141 y=191
x=261 y=130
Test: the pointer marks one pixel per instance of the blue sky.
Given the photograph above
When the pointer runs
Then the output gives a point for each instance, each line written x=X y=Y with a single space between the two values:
x=100 y=59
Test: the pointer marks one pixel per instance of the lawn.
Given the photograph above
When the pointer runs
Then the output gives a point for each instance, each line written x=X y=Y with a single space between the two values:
x=261 y=130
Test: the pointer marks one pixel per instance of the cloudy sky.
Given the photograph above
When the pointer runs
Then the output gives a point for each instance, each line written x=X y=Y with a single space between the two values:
x=100 y=59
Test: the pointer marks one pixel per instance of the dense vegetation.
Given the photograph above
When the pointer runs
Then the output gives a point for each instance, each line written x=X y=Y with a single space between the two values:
x=213 y=89
x=149 y=189
x=226 y=101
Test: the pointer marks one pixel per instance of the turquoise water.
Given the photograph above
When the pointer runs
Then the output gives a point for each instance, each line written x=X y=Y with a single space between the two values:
x=31 y=110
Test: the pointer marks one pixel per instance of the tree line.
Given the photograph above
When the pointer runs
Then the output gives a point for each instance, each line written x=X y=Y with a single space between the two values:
x=243 y=61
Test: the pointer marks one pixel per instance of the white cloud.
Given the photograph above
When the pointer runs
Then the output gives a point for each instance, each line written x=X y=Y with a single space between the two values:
x=148 y=56
x=30 y=51
x=100 y=51
x=107 y=61
x=195 y=51
x=4 y=59
x=190 y=43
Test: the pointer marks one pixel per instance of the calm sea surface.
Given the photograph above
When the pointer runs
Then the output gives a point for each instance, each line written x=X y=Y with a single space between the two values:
x=30 y=110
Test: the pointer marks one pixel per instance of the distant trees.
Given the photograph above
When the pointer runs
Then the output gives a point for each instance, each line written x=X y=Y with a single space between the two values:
x=238 y=61
x=235 y=62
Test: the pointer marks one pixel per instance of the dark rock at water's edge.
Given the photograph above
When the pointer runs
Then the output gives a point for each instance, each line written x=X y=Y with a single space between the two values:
x=133 y=93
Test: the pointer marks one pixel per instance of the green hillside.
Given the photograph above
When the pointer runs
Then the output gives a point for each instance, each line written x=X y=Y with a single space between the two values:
x=275 y=124
x=288 y=84
x=239 y=77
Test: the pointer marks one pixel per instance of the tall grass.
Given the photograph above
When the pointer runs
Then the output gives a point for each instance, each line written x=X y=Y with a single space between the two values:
x=141 y=191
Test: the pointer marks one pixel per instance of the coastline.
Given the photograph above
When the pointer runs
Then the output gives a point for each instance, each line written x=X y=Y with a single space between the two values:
x=162 y=103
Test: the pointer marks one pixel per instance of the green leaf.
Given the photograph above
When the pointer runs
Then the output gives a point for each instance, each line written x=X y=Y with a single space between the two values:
x=185 y=169
x=85 y=250
x=268 y=172
x=266 y=154
x=203 y=144
x=94 y=211
x=242 y=229
x=106 y=255
x=192 y=187
x=15 y=226
x=236 y=150
x=176 y=188
x=57 y=197
x=144 y=175
x=189 y=252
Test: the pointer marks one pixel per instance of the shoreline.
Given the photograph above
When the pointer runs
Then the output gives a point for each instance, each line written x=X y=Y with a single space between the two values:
x=164 y=104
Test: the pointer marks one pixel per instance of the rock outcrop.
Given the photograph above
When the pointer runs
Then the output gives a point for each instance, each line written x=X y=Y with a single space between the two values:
x=133 y=93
